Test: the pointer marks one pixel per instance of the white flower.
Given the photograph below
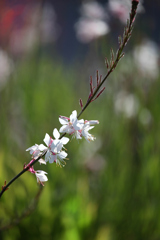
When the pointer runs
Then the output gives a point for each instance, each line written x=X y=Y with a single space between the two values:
x=71 y=125
x=36 y=149
x=86 y=127
x=41 y=177
x=54 y=152
x=58 y=155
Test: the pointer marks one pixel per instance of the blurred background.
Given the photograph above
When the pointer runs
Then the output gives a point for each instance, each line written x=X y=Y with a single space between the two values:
x=110 y=188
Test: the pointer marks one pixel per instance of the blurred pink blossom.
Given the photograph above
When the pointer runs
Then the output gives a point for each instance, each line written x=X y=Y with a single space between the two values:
x=121 y=8
x=92 y=24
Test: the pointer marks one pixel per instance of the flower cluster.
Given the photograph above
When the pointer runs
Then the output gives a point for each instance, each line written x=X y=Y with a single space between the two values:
x=53 y=150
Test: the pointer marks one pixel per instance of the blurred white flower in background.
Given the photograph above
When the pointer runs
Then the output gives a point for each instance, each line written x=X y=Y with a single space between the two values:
x=92 y=10
x=49 y=27
x=121 y=8
x=92 y=159
x=92 y=23
x=127 y=104
x=146 y=57
x=6 y=68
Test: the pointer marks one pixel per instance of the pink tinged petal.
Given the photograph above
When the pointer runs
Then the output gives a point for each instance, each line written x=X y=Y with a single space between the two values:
x=53 y=158
x=71 y=130
x=53 y=146
x=47 y=139
x=64 y=140
x=73 y=116
x=56 y=133
x=50 y=157
x=78 y=135
x=34 y=150
x=62 y=154
x=63 y=120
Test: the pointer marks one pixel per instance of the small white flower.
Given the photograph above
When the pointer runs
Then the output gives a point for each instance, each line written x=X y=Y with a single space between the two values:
x=89 y=137
x=36 y=149
x=71 y=125
x=41 y=177
x=59 y=158
x=54 y=152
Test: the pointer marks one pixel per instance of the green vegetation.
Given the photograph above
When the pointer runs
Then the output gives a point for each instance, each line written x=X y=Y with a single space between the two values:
x=110 y=188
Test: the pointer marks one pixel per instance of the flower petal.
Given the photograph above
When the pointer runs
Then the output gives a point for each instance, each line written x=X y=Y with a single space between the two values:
x=64 y=140
x=42 y=147
x=47 y=139
x=47 y=156
x=62 y=154
x=63 y=121
x=73 y=116
x=56 y=133
x=53 y=158
x=59 y=146
x=64 y=128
